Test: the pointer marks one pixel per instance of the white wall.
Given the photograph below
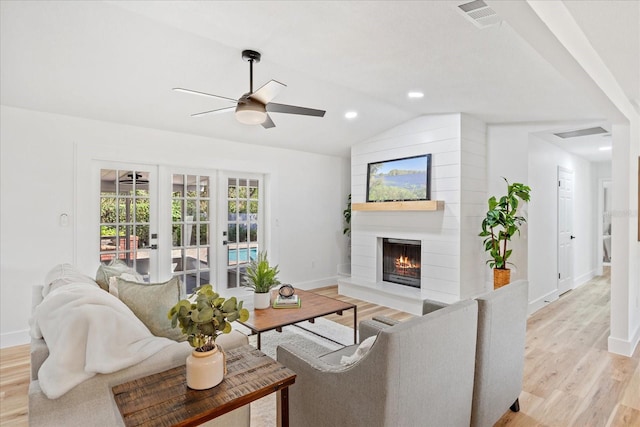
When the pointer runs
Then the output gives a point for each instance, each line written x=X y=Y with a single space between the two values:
x=544 y=160
x=507 y=157
x=515 y=153
x=308 y=193
x=625 y=263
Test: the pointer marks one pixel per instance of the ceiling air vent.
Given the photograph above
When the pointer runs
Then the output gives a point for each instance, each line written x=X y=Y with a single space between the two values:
x=479 y=13
x=581 y=132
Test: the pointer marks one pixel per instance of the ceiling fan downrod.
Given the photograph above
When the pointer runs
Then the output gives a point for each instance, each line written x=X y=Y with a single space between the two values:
x=251 y=56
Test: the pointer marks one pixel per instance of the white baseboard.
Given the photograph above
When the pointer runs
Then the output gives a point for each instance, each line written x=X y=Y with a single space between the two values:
x=581 y=280
x=624 y=347
x=537 y=304
x=344 y=269
x=12 y=339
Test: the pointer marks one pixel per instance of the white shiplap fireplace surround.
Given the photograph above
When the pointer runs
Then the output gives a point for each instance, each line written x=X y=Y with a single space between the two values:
x=452 y=265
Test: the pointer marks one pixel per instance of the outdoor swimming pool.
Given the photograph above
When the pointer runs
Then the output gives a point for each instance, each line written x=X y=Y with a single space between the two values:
x=241 y=255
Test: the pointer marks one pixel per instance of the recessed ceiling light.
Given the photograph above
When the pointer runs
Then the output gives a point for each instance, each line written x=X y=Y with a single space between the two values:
x=415 y=95
x=351 y=114
x=604 y=148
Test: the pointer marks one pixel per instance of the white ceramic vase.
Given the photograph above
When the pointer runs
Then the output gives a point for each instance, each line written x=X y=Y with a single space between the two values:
x=205 y=369
x=261 y=300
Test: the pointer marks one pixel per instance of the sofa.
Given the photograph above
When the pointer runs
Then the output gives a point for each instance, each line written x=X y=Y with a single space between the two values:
x=502 y=326
x=415 y=373
x=499 y=368
x=91 y=402
x=374 y=379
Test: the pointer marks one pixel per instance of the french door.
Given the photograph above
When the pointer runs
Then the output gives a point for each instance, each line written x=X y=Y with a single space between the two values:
x=203 y=226
x=127 y=225
x=241 y=224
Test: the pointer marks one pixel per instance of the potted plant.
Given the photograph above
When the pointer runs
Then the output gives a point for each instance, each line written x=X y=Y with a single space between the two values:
x=202 y=318
x=261 y=277
x=500 y=223
x=347 y=218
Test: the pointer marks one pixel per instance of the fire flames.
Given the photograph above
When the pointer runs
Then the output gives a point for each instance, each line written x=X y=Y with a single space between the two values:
x=405 y=263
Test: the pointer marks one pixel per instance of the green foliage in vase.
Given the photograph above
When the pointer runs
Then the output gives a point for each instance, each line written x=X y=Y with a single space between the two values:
x=502 y=222
x=206 y=315
x=260 y=276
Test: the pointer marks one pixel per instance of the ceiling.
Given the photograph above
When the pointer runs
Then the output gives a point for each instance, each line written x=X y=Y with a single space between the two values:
x=117 y=61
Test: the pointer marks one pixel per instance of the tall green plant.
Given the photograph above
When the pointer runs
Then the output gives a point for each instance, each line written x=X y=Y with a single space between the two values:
x=260 y=276
x=347 y=218
x=502 y=222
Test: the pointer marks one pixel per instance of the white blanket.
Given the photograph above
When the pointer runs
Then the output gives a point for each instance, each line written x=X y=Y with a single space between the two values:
x=88 y=331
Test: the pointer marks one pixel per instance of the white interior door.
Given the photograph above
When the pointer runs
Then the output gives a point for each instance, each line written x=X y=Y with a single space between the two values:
x=565 y=230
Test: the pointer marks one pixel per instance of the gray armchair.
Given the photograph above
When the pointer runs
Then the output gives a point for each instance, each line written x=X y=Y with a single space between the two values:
x=502 y=324
x=418 y=372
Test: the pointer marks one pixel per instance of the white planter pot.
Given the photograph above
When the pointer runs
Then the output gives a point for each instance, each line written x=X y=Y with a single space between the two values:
x=205 y=369
x=261 y=300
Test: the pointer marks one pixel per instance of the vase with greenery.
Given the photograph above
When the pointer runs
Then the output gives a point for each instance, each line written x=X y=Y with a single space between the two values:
x=261 y=277
x=499 y=225
x=202 y=318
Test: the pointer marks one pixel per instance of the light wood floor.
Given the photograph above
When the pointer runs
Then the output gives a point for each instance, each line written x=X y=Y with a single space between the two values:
x=570 y=379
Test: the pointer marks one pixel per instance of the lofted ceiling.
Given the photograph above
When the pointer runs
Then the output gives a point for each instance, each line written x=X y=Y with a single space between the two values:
x=117 y=61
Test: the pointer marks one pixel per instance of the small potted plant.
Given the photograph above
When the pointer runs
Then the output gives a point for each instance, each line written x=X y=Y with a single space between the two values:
x=261 y=277
x=202 y=318
x=500 y=223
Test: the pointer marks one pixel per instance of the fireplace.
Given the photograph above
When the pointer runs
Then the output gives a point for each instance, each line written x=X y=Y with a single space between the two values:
x=401 y=262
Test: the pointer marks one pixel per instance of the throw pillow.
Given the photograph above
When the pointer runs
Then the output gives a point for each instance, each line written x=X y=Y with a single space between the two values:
x=113 y=282
x=114 y=269
x=151 y=302
x=64 y=274
x=362 y=349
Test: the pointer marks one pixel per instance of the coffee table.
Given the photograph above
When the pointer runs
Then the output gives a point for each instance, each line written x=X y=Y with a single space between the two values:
x=163 y=399
x=312 y=306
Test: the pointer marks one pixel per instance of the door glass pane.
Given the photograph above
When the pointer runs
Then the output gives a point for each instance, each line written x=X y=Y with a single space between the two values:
x=124 y=218
x=242 y=227
x=191 y=223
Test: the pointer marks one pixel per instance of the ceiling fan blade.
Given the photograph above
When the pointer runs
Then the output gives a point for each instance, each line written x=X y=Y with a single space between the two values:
x=218 y=111
x=268 y=123
x=292 y=109
x=195 y=92
x=268 y=91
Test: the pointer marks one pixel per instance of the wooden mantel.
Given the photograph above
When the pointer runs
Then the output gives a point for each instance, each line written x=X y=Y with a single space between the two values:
x=422 y=205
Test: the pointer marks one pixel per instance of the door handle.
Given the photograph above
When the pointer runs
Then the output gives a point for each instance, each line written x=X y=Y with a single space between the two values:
x=573 y=237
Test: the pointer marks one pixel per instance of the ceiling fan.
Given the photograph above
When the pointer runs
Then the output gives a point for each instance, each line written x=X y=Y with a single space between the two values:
x=253 y=108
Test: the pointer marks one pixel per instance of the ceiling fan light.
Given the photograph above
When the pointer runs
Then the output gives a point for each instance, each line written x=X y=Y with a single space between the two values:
x=251 y=113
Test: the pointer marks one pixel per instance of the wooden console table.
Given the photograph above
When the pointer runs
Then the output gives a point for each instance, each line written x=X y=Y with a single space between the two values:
x=163 y=399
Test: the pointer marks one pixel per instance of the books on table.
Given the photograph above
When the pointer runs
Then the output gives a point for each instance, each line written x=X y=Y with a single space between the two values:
x=287 y=302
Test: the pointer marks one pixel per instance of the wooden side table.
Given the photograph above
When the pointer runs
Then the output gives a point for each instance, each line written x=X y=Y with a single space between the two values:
x=163 y=399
